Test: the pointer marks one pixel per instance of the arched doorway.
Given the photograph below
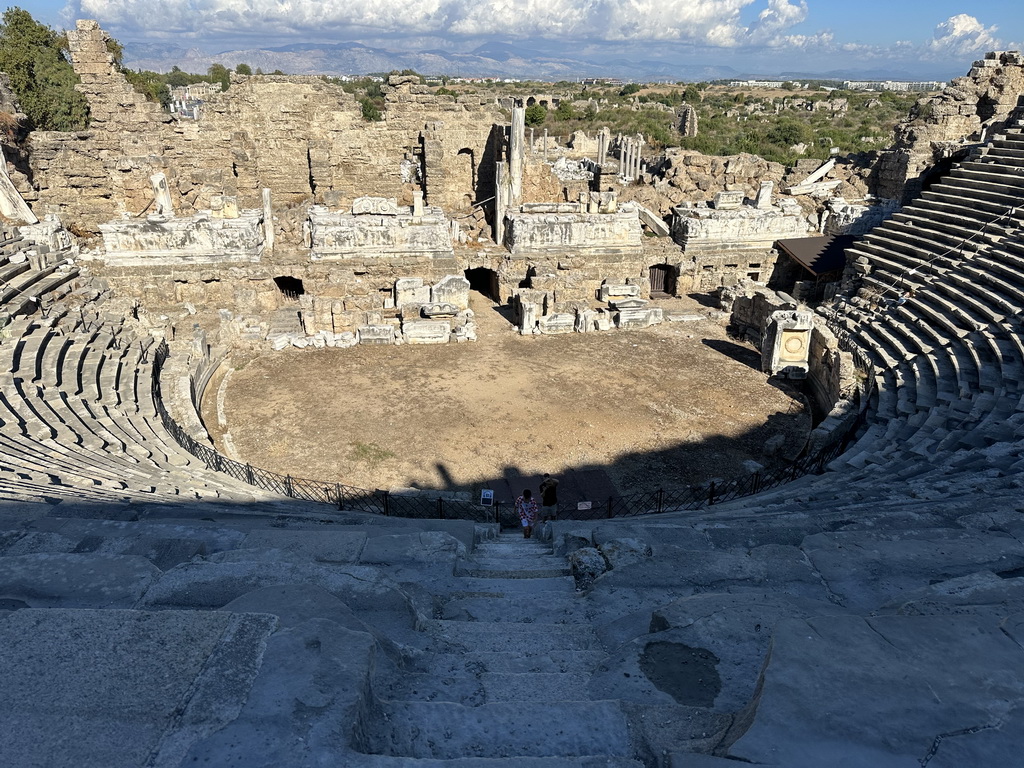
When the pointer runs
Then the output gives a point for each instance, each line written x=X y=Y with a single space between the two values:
x=663 y=281
x=484 y=281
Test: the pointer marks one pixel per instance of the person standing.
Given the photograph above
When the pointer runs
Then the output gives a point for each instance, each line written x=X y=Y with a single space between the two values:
x=526 y=508
x=549 y=497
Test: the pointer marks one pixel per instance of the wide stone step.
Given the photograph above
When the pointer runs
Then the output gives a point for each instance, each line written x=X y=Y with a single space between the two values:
x=508 y=569
x=510 y=609
x=497 y=662
x=513 y=638
x=449 y=731
x=585 y=761
x=475 y=689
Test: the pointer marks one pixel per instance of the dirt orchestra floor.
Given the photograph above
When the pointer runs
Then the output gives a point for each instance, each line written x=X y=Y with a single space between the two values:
x=672 y=405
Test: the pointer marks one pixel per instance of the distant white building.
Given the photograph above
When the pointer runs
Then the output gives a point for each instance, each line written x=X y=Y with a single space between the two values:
x=893 y=85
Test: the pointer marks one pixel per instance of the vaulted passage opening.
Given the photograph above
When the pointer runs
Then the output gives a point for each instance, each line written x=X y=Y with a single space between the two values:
x=290 y=287
x=484 y=281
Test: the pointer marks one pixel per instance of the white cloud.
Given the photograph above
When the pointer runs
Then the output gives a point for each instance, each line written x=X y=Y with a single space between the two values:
x=962 y=35
x=703 y=22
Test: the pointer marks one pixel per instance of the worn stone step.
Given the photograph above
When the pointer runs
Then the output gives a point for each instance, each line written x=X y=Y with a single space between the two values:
x=448 y=731
x=585 y=761
x=552 y=661
x=514 y=638
x=475 y=689
x=513 y=608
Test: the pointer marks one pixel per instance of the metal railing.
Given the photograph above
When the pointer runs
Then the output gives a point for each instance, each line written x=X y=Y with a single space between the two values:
x=381 y=502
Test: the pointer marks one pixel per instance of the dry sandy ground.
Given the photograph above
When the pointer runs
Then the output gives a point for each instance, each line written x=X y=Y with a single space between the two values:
x=668 y=406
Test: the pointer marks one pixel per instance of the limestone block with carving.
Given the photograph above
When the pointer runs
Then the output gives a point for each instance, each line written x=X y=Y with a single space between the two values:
x=558 y=323
x=452 y=289
x=442 y=309
x=336 y=236
x=529 y=315
x=628 y=303
x=618 y=232
x=410 y=290
x=613 y=291
x=376 y=334
x=728 y=200
x=194 y=240
x=786 y=344
x=426 y=331
x=640 y=317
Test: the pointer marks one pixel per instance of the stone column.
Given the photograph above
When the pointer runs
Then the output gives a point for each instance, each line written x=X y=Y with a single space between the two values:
x=268 y=223
x=602 y=147
x=516 y=139
x=545 y=145
x=162 y=195
x=500 y=201
x=639 y=149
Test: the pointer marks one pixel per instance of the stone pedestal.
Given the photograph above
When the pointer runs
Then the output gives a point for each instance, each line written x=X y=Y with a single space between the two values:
x=785 y=348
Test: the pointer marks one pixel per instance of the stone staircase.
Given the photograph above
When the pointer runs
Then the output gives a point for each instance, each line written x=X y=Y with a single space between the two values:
x=508 y=658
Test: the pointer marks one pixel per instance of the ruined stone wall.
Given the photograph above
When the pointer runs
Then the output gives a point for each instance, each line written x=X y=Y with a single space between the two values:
x=684 y=175
x=945 y=123
x=303 y=138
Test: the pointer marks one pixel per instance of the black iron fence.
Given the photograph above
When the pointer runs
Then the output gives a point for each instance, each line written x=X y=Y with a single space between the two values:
x=381 y=502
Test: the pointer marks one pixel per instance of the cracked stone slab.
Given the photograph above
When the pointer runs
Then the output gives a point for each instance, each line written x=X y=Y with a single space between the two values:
x=67 y=580
x=114 y=687
x=851 y=691
x=306 y=705
x=321 y=546
x=867 y=569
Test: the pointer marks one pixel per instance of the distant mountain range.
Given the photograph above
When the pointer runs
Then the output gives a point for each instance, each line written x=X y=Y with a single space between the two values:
x=493 y=59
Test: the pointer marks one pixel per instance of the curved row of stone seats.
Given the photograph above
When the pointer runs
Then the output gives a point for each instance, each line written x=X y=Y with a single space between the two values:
x=76 y=409
x=949 y=356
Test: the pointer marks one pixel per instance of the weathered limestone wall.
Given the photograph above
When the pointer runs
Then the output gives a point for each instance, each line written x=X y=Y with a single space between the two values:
x=945 y=124
x=389 y=233
x=723 y=246
x=558 y=231
x=299 y=136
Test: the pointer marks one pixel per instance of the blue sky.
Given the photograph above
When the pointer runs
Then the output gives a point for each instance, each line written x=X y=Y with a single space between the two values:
x=938 y=38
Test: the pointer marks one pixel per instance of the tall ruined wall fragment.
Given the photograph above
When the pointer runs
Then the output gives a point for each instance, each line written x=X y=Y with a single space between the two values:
x=946 y=123
x=302 y=137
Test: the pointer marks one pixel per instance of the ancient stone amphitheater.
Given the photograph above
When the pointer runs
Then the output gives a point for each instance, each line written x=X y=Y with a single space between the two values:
x=157 y=612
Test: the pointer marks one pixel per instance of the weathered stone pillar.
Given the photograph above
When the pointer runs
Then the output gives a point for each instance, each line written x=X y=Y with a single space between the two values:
x=162 y=195
x=636 y=160
x=545 y=145
x=516 y=139
x=500 y=201
x=268 y=223
x=602 y=146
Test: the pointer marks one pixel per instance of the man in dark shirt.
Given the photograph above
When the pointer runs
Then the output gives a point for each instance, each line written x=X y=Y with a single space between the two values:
x=549 y=497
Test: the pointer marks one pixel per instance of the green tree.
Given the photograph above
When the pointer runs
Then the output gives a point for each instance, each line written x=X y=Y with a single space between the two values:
x=176 y=78
x=243 y=69
x=565 y=111
x=629 y=90
x=33 y=55
x=218 y=73
x=371 y=112
x=788 y=132
x=536 y=114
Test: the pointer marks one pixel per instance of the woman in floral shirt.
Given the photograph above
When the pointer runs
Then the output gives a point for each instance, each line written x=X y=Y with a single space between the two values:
x=526 y=508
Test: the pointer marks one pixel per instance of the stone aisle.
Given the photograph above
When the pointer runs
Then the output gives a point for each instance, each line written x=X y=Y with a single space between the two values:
x=505 y=672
